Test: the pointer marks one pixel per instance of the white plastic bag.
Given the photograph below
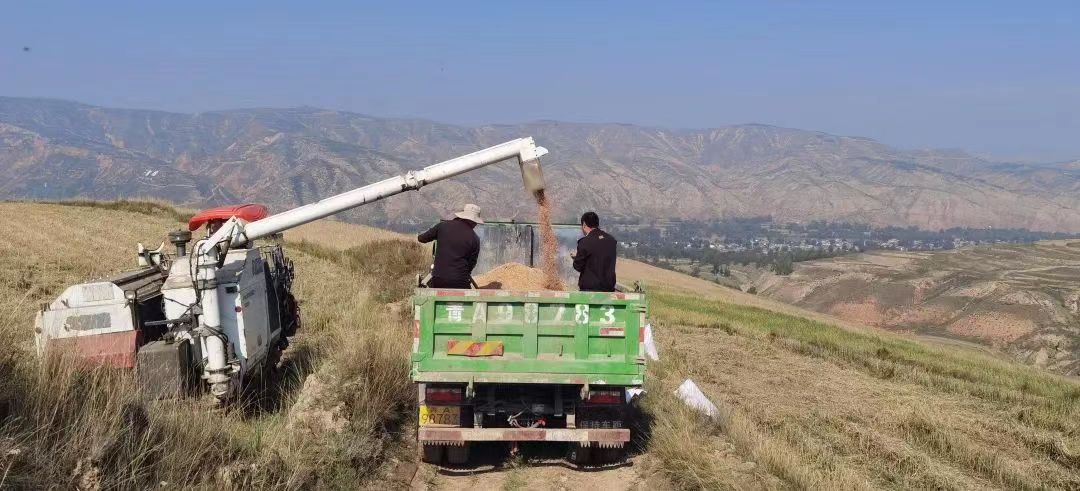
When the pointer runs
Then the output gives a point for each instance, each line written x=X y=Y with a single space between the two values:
x=650 y=345
x=693 y=397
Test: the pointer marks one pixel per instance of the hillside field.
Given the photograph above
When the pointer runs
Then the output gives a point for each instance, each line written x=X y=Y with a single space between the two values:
x=805 y=400
x=1020 y=299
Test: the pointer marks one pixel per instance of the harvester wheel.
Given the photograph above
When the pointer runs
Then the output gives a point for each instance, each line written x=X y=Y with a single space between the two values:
x=457 y=454
x=432 y=454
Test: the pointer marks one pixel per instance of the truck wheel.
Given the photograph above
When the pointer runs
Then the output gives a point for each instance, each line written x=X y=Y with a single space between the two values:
x=457 y=454
x=433 y=454
x=579 y=455
x=611 y=456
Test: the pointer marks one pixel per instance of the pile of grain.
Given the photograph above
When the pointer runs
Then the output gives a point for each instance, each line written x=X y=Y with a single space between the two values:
x=549 y=245
x=512 y=276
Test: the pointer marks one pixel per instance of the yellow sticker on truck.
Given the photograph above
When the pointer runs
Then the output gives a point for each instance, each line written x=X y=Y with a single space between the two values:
x=440 y=415
x=474 y=348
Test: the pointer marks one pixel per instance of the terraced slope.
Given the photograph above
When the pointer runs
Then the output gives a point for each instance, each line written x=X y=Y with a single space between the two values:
x=1023 y=300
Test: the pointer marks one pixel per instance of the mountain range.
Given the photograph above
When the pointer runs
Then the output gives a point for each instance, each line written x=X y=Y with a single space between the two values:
x=52 y=149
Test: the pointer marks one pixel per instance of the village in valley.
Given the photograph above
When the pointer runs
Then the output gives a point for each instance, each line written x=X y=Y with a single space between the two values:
x=763 y=242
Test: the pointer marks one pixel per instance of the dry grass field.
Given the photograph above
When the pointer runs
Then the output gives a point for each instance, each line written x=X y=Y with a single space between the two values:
x=810 y=405
x=339 y=235
x=805 y=401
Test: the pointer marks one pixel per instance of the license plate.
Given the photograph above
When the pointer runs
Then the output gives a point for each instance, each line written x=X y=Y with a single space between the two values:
x=440 y=415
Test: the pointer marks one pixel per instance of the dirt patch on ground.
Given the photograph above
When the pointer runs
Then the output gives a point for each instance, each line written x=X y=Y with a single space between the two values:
x=539 y=474
x=977 y=290
x=918 y=316
x=997 y=328
x=868 y=312
x=319 y=409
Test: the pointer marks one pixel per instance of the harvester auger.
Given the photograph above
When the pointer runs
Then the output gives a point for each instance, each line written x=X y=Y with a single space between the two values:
x=224 y=311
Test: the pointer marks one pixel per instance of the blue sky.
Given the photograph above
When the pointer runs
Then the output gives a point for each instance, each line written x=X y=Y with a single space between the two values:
x=994 y=78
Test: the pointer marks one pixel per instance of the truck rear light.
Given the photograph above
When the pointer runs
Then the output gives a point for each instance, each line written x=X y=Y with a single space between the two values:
x=641 y=342
x=416 y=332
x=444 y=394
x=605 y=397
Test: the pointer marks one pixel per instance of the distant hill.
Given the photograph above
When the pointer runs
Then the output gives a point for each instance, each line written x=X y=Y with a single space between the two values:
x=53 y=149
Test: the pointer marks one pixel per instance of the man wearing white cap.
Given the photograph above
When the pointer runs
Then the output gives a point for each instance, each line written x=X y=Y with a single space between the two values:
x=456 y=250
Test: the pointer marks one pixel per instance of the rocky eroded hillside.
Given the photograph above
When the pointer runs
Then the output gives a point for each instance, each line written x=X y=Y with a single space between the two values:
x=283 y=157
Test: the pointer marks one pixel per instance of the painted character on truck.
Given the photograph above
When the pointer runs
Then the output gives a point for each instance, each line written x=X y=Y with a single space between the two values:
x=457 y=249
x=595 y=256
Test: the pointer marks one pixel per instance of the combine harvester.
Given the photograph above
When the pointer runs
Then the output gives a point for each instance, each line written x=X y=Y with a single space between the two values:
x=224 y=312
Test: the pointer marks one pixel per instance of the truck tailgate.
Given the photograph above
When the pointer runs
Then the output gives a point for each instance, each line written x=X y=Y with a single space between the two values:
x=499 y=336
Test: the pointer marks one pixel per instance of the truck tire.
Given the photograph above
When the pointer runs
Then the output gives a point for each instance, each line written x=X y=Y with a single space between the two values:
x=579 y=455
x=609 y=456
x=457 y=454
x=432 y=454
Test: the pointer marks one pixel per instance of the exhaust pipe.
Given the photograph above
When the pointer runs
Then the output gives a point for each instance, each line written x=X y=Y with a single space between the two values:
x=180 y=238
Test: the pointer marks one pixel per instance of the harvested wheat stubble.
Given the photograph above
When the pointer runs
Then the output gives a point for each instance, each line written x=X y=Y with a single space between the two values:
x=549 y=245
x=512 y=276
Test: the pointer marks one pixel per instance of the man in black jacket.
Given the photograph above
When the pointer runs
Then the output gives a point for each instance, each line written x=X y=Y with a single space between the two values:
x=457 y=249
x=595 y=256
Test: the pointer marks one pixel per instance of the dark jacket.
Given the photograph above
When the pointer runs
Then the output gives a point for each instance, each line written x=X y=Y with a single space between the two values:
x=455 y=254
x=595 y=260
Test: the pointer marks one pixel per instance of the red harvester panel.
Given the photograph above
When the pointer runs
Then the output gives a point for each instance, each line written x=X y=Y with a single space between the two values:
x=114 y=349
x=249 y=212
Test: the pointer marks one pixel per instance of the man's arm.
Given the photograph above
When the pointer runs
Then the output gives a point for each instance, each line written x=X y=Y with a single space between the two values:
x=579 y=257
x=430 y=235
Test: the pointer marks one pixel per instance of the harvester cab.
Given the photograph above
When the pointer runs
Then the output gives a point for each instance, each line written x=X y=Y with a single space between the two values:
x=222 y=311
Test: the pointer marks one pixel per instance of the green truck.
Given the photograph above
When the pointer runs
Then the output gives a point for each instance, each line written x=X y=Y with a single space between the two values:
x=526 y=366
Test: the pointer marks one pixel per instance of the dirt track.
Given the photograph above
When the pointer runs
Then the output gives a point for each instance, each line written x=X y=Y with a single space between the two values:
x=495 y=471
